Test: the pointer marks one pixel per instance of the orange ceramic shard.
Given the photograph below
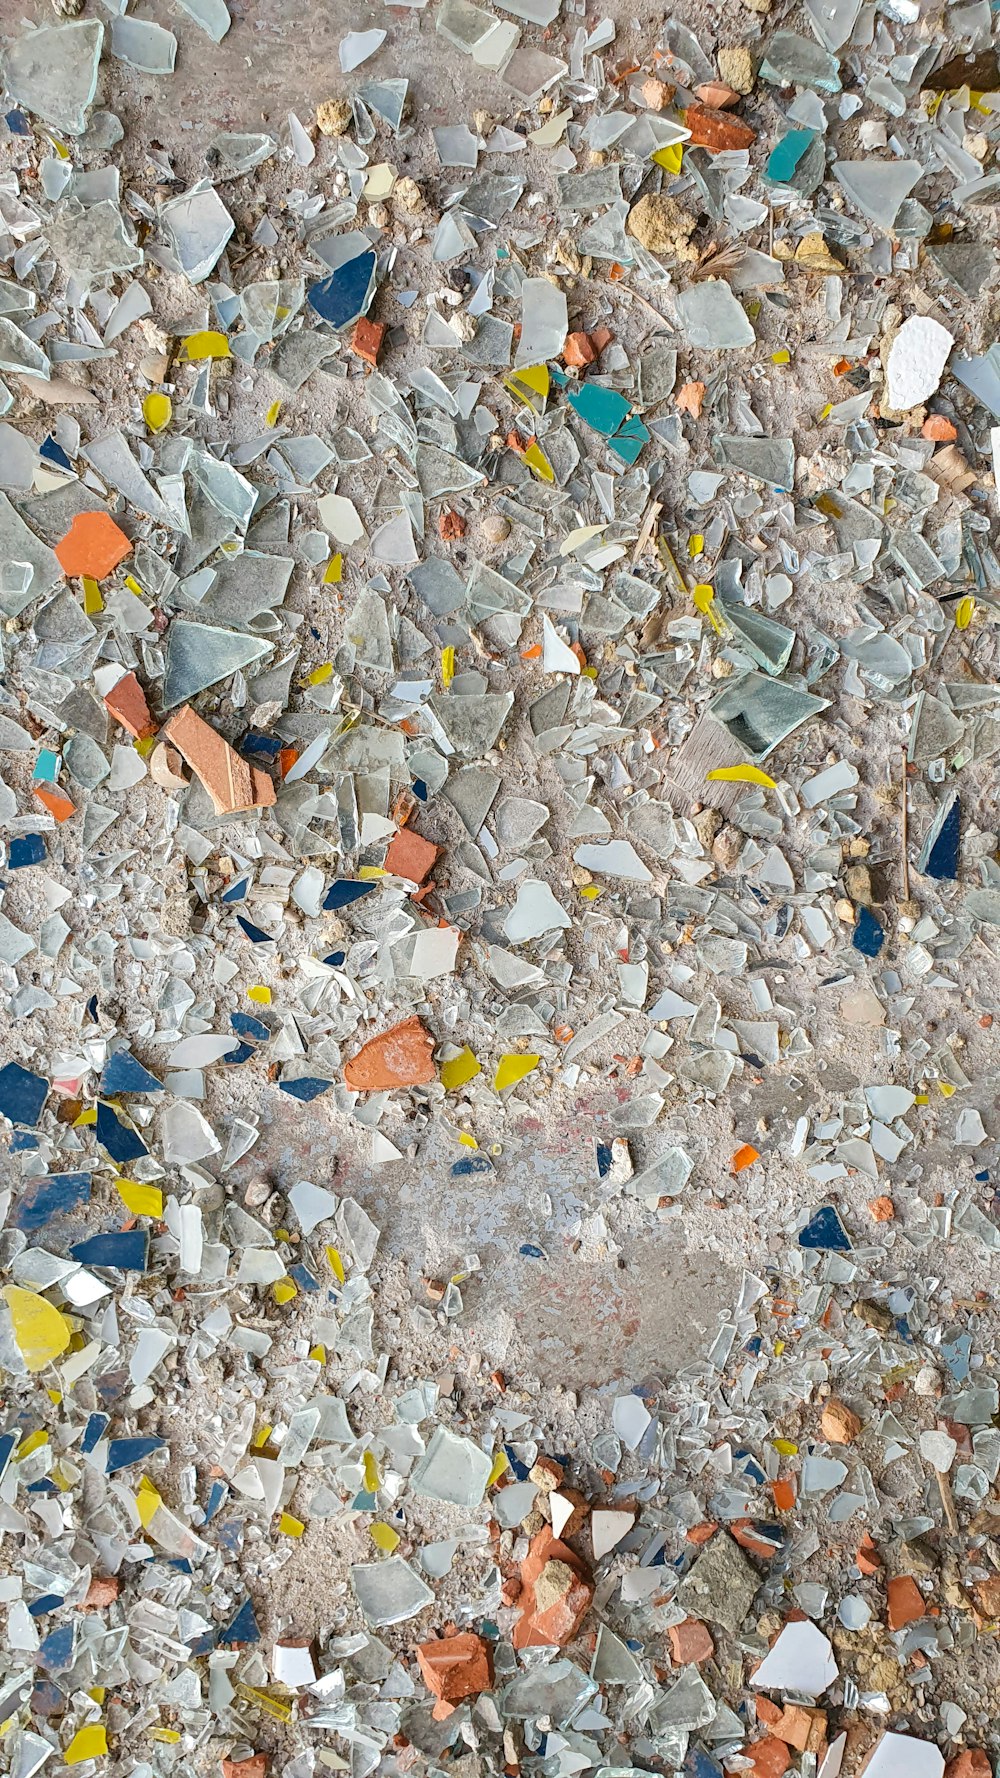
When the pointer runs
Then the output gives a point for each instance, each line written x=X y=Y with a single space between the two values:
x=717 y=131
x=57 y=804
x=690 y=398
x=231 y=783
x=906 y=1602
x=744 y=1157
x=399 y=1057
x=127 y=704
x=254 y=1767
x=94 y=545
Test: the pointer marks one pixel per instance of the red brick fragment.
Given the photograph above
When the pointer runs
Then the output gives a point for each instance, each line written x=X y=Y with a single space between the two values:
x=456 y=1667
x=771 y=1757
x=451 y=526
x=717 y=131
x=127 y=704
x=102 y=1591
x=972 y=1762
x=690 y=1642
x=557 y=1592
x=906 y=1601
x=366 y=340
x=411 y=856
x=254 y=1767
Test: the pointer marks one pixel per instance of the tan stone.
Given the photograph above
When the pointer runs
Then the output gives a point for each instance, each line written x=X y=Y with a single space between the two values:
x=661 y=226
x=839 y=1425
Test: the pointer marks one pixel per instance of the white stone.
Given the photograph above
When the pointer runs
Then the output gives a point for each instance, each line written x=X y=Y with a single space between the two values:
x=917 y=357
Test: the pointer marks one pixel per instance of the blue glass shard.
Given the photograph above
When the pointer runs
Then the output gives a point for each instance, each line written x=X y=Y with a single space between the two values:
x=305 y=1087
x=268 y=745
x=529 y=1251
x=245 y=1025
x=97 y=1425
x=605 y=1159
x=48 y=1601
x=124 y=1251
x=237 y=891
x=868 y=936
x=121 y=1142
x=786 y=155
x=23 y=1142
x=303 y=1277
x=336 y=959
x=57 y=1652
x=469 y=1164
x=55 y=1195
x=123 y=1452
x=24 y=849
x=939 y=852
x=342 y=893
x=54 y=453
x=629 y=440
x=237 y=1057
x=217 y=1494
x=420 y=790
x=22 y=1094
x=123 y=1074
x=700 y=1765
x=17 y=123
x=252 y=932
x=9 y=1442
x=342 y=297
x=242 y=1628
x=825 y=1230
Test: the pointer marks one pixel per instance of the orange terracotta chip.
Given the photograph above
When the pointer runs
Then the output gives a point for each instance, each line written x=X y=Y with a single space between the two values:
x=93 y=545
x=411 y=856
x=56 y=803
x=744 y=1157
x=399 y=1057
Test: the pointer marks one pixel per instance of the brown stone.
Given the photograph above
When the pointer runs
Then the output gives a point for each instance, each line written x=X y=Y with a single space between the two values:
x=366 y=340
x=254 y=1767
x=411 y=856
x=578 y=351
x=556 y=1591
x=972 y=1762
x=717 y=131
x=690 y=1642
x=803 y=1729
x=403 y=1056
x=231 y=782
x=988 y=1596
x=456 y=1667
x=127 y=704
x=839 y=1425
x=102 y=1591
x=906 y=1601
x=690 y=397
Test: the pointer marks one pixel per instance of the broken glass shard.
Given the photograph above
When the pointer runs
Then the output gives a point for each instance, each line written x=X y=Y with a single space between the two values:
x=199 y=655
x=52 y=72
x=759 y=712
x=544 y=322
x=712 y=318
x=878 y=187
x=768 y=460
x=792 y=60
x=198 y=226
x=389 y=1592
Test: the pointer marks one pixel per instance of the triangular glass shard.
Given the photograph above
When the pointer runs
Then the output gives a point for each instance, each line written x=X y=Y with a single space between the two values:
x=767 y=460
x=53 y=72
x=966 y=264
x=472 y=793
x=759 y=712
x=833 y=20
x=712 y=318
x=93 y=242
x=199 y=655
x=878 y=187
x=198 y=226
x=211 y=15
x=28 y=568
x=791 y=60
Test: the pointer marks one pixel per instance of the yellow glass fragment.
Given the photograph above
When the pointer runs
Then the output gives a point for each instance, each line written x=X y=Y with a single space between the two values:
x=513 y=1068
x=260 y=994
x=371 y=873
x=591 y=891
x=530 y=384
x=284 y=1291
x=964 y=611
x=945 y=1088
x=62 y=151
x=538 y=462
x=40 y=1331
x=90 y=1742
x=318 y=1354
x=740 y=775
x=696 y=544
x=271 y=417
x=826 y=410
x=383 y=1537
x=97 y=1693
x=93 y=602
x=55 y=1396
x=669 y=158
x=447 y=666
x=251 y=1694
x=290 y=1526
x=207 y=344
x=461 y=1068
x=373 y=1480
x=779 y=1347
x=467 y=1141
x=157 y=410
x=335 y=1263
x=782 y=357
x=320 y=675
x=86 y=1118
x=262 y=1437
x=142 y=1200
x=501 y=1462
x=33 y=1442
x=334 y=571
x=147 y=1503
x=171 y=1736
x=785 y=1447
